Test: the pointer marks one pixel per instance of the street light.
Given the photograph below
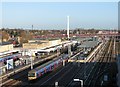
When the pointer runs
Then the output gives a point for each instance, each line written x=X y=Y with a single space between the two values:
x=56 y=84
x=31 y=58
x=63 y=62
x=78 y=80
x=31 y=62
x=58 y=51
x=85 y=68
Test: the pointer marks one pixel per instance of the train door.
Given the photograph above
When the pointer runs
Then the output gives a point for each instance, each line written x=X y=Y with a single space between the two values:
x=55 y=65
x=48 y=68
x=39 y=74
x=42 y=72
x=52 y=66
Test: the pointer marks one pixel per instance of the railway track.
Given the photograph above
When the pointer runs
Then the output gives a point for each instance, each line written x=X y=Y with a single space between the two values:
x=104 y=65
x=65 y=73
x=77 y=74
x=22 y=78
x=81 y=73
x=63 y=82
x=93 y=72
x=109 y=68
x=76 y=70
x=11 y=83
x=100 y=66
x=95 y=69
x=87 y=68
x=19 y=80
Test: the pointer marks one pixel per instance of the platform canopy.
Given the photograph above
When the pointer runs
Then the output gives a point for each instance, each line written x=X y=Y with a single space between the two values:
x=89 y=44
x=8 y=52
x=45 y=50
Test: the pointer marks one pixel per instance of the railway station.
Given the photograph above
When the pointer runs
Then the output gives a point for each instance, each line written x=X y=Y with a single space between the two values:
x=86 y=54
x=88 y=48
x=42 y=46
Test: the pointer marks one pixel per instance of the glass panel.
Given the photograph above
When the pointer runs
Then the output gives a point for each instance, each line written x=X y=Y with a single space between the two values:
x=31 y=74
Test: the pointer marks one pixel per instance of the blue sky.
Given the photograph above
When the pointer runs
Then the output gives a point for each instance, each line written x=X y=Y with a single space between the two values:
x=52 y=15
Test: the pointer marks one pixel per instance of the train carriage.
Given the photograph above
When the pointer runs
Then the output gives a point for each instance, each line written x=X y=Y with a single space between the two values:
x=32 y=74
x=45 y=68
x=38 y=72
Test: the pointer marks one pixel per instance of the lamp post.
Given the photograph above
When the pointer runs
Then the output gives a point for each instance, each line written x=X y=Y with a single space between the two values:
x=114 y=46
x=78 y=80
x=85 y=68
x=31 y=58
x=58 y=51
x=85 y=64
x=31 y=63
x=56 y=84
x=63 y=62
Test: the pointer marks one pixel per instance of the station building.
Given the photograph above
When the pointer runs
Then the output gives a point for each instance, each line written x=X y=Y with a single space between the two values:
x=6 y=46
x=40 y=44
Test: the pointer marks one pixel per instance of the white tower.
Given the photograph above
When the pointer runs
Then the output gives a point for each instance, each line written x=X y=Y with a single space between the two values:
x=68 y=27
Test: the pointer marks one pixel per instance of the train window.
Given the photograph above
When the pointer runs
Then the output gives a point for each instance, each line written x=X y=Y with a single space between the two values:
x=48 y=68
x=38 y=74
x=36 y=54
x=42 y=72
x=52 y=66
x=15 y=52
x=31 y=74
x=45 y=69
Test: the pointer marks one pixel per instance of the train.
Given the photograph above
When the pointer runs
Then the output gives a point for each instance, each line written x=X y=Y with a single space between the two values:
x=12 y=56
x=45 y=68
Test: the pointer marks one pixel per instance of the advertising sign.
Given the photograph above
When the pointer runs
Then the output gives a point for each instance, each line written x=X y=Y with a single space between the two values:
x=10 y=64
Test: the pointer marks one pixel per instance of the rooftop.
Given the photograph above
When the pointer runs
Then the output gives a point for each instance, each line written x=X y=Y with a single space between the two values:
x=89 y=44
x=5 y=43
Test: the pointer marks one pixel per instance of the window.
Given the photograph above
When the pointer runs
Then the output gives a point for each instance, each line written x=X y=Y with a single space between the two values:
x=48 y=69
x=42 y=72
x=52 y=66
x=31 y=74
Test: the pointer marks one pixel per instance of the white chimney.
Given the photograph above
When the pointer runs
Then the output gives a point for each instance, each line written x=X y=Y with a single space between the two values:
x=68 y=26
